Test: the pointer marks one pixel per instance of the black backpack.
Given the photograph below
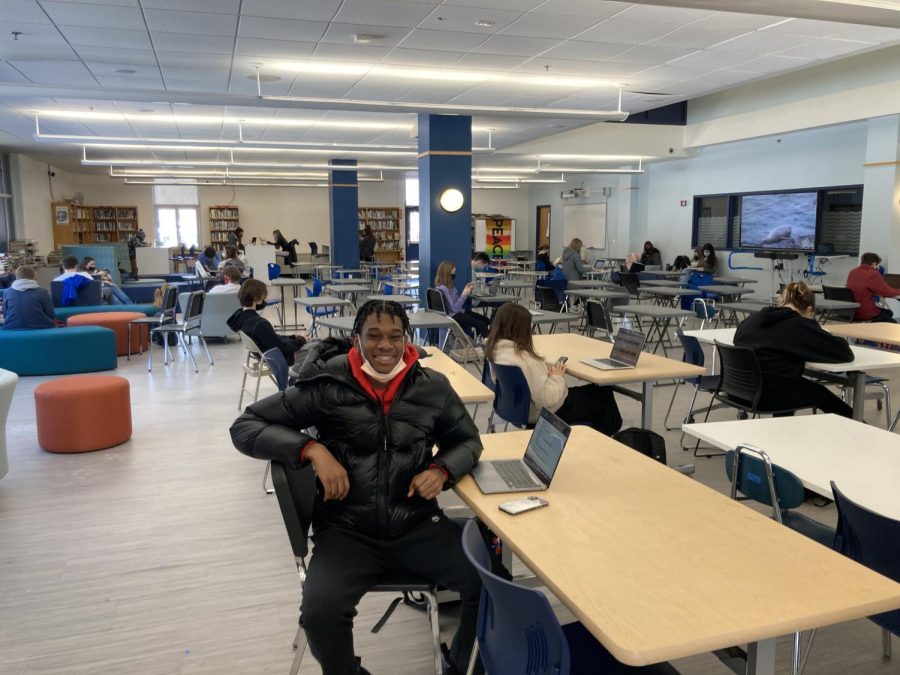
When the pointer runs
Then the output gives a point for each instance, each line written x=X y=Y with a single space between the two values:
x=644 y=441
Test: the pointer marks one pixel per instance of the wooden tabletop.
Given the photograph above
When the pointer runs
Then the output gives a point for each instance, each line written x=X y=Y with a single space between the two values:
x=468 y=387
x=580 y=348
x=658 y=566
x=863 y=460
x=886 y=332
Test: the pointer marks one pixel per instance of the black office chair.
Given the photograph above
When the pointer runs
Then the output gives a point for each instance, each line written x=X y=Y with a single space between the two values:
x=598 y=320
x=295 y=490
x=434 y=301
x=89 y=294
x=652 y=445
x=631 y=283
x=839 y=293
x=548 y=300
x=313 y=249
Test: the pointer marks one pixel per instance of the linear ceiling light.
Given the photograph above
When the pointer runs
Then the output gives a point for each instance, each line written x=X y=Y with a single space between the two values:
x=175 y=163
x=226 y=183
x=234 y=177
x=518 y=179
x=495 y=187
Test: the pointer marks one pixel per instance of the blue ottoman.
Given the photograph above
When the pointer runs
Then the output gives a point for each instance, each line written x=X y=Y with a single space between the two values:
x=58 y=351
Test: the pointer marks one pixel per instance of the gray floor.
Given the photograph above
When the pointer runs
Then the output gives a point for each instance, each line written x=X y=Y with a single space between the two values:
x=163 y=555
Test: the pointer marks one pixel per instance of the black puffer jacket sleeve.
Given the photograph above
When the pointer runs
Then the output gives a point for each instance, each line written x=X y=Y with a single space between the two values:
x=270 y=428
x=459 y=445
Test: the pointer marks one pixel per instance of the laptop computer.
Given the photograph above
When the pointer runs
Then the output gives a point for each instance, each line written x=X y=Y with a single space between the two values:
x=599 y=264
x=625 y=352
x=535 y=470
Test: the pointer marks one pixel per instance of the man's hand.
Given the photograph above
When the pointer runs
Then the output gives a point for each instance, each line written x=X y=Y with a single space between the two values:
x=427 y=484
x=331 y=472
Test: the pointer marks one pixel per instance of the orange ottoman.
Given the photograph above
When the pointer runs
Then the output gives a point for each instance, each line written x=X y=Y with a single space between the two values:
x=118 y=322
x=83 y=413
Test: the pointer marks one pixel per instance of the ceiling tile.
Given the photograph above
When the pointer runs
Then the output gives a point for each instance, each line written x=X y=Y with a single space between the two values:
x=661 y=75
x=383 y=12
x=239 y=84
x=826 y=49
x=608 y=69
x=763 y=42
x=130 y=81
x=585 y=51
x=535 y=24
x=382 y=88
x=489 y=61
x=55 y=72
x=426 y=93
x=108 y=69
x=515 y=46
x=308 y=10
x=320 y=87
x=193 y=23
x=213 y=6
x=544 y=66
x=650 y=54
x=180 y=73
x=190 y=60
x=596 y=8
x=664 y=14
x=124 y=56
x=94 y=16
x=201 y=44
x=869 y=33
x=12 y=51
x=357 y=53
x=385 y=36
x=281 y=29
x=522 y=5
x=24 y=11
x=695 y=38
x=10 y=74
x=738 y=22
x=809 y=27
x=273 y=49
x=421 y=57
x=714 y=59
x=773 y=64
x=101 y=37
x=203 y=85
x=464 y=18
x=627 y=32
x=33 y=35
x=434 y=39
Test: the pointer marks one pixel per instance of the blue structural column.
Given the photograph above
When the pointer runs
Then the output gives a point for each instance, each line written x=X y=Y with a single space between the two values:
x=343 y=202
x=445 y=161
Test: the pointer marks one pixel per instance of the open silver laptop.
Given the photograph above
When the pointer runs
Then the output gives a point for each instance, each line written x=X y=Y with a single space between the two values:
x=536 y=469
x=625 y=352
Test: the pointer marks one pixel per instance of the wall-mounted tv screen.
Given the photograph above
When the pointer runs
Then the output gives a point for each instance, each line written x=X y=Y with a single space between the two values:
x=785 y=220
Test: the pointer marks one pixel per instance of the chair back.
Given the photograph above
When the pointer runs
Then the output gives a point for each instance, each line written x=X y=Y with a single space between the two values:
x=558 y=286
x=517 y=630
x=630 y=282
x=193 y=312
x=839 y=293
x=547 y=299
x=201 y=272
x=741 y=378
x=278 y=365
x=88 y=294
x=758 y=479
x=870 y=539
x=274 y=271
x=313 y=248
x=512 y=397
x=598 y=318
x=295 y=490
x=486 y=379
x=250 y=344
x=692 y=352
x=217 y=308
x=434 y=300
x=316 y=289
x=644 y=441
x=539 y=266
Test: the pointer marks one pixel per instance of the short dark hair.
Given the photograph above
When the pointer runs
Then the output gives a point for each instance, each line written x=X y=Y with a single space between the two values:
x=232 y=273
x=482 y=257
x=870 y=259
x=250 y=291
x=69 y=262
x=25 y=272
x=230 y=251
x=379 y=307
x=209 y=252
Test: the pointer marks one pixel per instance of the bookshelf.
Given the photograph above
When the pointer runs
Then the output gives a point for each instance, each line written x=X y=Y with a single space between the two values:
x=385 y=223
x=83 y=224
x=223 y=220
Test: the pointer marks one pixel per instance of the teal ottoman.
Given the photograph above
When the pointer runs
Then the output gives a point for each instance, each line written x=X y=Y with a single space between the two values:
x=58 y=351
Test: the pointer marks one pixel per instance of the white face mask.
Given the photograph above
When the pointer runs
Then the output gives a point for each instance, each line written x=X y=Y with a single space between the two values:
x=383 y=378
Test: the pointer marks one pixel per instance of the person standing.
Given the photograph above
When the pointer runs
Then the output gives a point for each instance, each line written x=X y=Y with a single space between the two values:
x=367 y=243
x=26 y=305
x=572 y=265
x=866 y=282
x=390 y=436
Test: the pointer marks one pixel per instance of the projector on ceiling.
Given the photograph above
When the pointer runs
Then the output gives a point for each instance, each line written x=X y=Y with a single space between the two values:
x=575 y=193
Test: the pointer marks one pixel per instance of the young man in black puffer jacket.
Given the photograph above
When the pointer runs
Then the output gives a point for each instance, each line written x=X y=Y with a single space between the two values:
x=379 y=414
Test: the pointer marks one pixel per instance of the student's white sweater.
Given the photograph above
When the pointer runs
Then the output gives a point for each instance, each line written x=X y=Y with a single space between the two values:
x=547 y=391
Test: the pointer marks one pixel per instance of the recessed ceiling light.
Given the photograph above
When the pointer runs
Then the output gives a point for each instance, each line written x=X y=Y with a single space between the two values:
x=365 y=38
x=146 y=110
x=484 y=23
x=264 y=78
x=125 y=71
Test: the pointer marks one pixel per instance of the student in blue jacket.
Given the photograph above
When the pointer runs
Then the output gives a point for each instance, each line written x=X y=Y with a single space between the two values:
x=25 y=304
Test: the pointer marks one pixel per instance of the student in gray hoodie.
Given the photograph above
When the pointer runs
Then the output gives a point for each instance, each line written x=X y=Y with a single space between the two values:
x=25 y=304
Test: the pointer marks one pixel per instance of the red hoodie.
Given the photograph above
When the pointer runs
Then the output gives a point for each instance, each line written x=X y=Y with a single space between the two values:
x=865 y=281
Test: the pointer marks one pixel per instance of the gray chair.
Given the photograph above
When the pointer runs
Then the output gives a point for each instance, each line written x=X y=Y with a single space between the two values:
x=8 y=382
x=188 y=327
x=217 y=307
x=166 y=315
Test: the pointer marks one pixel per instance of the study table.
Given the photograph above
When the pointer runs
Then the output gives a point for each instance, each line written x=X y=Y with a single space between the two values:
x=588 y=283
x=649 y=369
x=316 y=302
x=667 y=296
x=417 y=320
x=865 y=360
x=659 y=567
x=469 y=388
x=670 y=283
x=863 y=460
x=404 y=300
x=660 y=318
x=352 y=290
x=886 y=332
x=294 y=282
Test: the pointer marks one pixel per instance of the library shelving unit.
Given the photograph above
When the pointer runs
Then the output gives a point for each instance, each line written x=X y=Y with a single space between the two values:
x=223 y=220
x=84 y=224
x=385 y=223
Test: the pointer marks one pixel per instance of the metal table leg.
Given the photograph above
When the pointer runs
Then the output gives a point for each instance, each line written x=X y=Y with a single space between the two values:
x=859 y=394
x=647 y=405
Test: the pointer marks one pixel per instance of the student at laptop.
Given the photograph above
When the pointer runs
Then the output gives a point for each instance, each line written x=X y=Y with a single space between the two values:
x=571 y=263
x=784 y=338
x=543 y=256
x=651 y=255
x=378 y=416
x=510 y=344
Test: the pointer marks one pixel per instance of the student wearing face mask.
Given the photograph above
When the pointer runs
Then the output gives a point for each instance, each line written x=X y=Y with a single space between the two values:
x=390 y=436
x=651 y=255
x=252 y=297
x=458 y=304
x=705 y=259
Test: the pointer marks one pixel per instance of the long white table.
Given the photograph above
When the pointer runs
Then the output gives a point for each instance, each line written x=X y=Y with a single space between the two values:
x=863 y=460
x=864 y=360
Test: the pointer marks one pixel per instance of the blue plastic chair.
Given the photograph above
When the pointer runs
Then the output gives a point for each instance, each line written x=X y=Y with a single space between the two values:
x=512 y=397
x=539 y=266
x=872 y=540
x=518 y=632
x=274 y=271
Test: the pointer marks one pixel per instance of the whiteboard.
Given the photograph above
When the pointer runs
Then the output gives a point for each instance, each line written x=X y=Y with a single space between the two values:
x=587 y=222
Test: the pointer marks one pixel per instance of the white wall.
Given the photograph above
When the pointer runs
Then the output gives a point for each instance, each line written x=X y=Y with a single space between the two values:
x=509 y=203
x=31 y=198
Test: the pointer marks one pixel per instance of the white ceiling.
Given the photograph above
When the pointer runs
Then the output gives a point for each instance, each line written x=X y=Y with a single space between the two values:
x=199 y=51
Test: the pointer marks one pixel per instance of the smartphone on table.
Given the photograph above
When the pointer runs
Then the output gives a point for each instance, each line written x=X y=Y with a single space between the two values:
x=518 y=506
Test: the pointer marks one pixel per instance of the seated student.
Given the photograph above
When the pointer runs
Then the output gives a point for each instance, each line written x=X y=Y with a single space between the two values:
x=210 y=259
x=705 y=259
x=111 y=294
x=70 y=269
x=543 y=256
x=391 y=434
x=651 y=255
x=25 y=304
x=252 y=297
x=231 y=281
x=510 y=344
x=481 y=262
x=866 y=282
x=784 y=338
x=458 y=304
x=231 y=258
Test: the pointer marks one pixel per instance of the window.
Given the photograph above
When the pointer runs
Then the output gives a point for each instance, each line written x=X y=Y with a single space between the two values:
x=177 y=215
x=711 y=221
x=412 y=191
x=412 y=210
x=841 y=222
x=7 y=231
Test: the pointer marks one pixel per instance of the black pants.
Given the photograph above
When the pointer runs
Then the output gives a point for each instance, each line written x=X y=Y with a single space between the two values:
x=472 y=323
x=346 y=564
x=594 y=406
x=884 y=315
x=800 y=393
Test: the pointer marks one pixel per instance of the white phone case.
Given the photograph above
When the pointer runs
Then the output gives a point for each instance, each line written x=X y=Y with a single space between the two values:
x=520 y=505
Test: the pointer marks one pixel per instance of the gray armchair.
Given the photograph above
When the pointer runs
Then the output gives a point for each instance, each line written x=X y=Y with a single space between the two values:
x=217 y=307
x=8 y=382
